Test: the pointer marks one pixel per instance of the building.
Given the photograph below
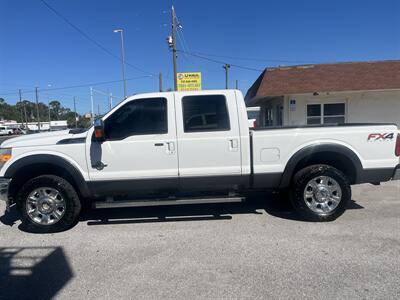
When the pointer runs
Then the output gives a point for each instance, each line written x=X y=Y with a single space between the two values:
x=33 y=126
x=355 y=92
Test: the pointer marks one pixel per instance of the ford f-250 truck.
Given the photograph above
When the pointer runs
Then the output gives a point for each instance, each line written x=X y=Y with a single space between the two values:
x=190 y=147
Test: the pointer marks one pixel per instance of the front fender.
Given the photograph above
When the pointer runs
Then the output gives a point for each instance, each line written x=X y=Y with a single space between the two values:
x=49 y=159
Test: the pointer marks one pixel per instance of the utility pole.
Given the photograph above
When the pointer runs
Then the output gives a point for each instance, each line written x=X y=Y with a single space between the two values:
x=121 y=31
x=37 y=108
x=160 y=81
x=49 y=113
x=76 y=117
x=20 y=102
x=174 y=47
x=226 y=67
x=98 y=110
x=91 y=105
x=24 y=106
x=111 y=101
x=237 y=84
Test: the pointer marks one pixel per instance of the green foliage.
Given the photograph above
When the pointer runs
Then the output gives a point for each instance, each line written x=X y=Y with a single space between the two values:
x=26 y=111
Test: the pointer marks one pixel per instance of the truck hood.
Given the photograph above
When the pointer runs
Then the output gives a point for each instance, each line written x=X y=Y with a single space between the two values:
x=41 y=139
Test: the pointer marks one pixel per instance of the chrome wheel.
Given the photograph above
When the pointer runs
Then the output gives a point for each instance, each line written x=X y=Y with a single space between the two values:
x=45 y=206
x=322 y=194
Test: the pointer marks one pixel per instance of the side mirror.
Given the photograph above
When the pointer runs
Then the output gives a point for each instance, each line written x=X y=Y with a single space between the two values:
x=99 y=130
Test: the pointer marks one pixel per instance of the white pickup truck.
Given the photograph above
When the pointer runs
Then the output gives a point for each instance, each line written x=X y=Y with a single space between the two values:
x=190 y=147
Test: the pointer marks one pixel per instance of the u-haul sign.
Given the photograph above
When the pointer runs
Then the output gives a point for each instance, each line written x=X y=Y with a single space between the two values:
x=189 y=81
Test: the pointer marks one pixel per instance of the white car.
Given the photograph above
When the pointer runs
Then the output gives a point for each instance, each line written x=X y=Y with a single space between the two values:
x=253 y=115
x=190 y=147
x=4 y=130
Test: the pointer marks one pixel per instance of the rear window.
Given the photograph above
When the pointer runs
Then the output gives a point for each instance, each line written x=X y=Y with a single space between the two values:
x=205 y=113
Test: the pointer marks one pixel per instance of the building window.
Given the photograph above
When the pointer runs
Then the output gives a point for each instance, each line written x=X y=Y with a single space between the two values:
x=269 y=116
x=330 y=113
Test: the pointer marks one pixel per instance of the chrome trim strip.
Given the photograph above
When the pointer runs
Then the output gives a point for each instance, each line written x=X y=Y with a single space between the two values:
x=160 y=202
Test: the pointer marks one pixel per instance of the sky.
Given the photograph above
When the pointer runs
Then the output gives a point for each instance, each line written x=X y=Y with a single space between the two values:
x=38 y=48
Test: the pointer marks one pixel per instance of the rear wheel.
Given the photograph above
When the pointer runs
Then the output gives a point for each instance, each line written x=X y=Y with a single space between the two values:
x=48 y=204
x=320 y=193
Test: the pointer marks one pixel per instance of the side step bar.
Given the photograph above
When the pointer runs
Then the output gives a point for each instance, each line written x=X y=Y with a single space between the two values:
x=160 y=202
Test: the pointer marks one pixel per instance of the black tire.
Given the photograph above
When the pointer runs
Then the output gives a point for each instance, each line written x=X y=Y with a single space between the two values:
x=67 y=192
x=298 y=197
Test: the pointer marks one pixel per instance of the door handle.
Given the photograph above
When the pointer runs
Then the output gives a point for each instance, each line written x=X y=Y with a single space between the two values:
x=171 y=147
x=159 y=144
x=234 y=144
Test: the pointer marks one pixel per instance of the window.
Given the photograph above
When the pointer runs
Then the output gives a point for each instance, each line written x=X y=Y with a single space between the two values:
x=314 y=114
x=334 y=113
x=330 y=113
x=253 y=114
x=269 y=116
x=205 y=113
x=138 y=117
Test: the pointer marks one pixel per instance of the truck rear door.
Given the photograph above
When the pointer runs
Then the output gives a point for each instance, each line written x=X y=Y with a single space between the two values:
x=208 y=139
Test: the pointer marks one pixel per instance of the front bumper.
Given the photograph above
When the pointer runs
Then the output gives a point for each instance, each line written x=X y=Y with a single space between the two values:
x=396 y=175
x=4 y=186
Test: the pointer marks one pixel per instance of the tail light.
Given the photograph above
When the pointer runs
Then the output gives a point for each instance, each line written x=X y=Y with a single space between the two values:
x=397 y=150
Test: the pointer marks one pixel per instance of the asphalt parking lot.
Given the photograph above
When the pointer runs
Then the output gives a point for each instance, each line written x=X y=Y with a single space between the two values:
x=252 y=250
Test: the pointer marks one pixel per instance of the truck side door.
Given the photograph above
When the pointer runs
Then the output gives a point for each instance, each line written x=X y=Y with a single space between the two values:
x=208 y=140
x=139 y=151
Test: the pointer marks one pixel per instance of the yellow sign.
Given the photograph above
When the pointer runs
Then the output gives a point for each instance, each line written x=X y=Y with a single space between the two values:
x=189 y=81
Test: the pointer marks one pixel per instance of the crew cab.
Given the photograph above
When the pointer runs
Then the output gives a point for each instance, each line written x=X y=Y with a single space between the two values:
x=190 y=147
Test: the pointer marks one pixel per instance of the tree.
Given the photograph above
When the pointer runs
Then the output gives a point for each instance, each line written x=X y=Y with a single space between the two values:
x=55 y=107
x=57 y=111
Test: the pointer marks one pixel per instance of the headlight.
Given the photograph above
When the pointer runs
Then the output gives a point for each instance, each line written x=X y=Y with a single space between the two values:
x=5 y=155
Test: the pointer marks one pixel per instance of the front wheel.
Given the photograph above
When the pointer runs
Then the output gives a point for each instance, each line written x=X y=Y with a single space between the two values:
x=320 y=193
x=48 y=204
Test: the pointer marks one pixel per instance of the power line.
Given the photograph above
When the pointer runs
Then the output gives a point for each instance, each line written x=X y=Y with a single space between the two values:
x=89 y=38
x=255 y=59
x=82 y=85
x=221 y=62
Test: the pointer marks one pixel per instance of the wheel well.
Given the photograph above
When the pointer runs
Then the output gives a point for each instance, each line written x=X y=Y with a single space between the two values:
x=28 y=172
x=334 y=159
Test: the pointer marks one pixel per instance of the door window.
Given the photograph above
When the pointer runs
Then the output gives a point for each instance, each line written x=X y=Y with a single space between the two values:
x=138 y=117
x=205 y=113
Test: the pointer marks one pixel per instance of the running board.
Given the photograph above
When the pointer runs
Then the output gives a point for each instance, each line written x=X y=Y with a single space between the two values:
x=160 y=202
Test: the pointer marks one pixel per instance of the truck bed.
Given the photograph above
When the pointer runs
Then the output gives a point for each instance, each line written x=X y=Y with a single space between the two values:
x=275 y=148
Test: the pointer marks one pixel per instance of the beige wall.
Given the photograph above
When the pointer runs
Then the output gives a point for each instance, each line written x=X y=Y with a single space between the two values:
x=361 y=106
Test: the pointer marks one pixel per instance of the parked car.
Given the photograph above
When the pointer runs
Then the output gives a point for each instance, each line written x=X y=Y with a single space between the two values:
x=4 y=130
x=148 y=151
x=18 y=131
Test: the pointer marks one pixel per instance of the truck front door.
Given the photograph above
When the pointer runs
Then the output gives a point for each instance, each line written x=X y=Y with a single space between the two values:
x=139 y=151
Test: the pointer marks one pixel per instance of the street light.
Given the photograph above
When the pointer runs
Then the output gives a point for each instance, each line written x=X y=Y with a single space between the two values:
x=121 y=31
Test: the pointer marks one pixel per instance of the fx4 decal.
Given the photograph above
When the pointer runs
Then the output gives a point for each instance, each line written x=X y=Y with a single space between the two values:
x=373 y=137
